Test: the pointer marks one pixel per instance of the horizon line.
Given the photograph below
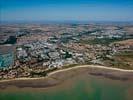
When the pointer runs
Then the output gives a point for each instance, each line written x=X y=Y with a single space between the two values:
x=65 y=21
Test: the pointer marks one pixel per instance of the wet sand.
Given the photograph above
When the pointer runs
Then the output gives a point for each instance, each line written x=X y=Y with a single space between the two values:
x=80 y=83
x=57 y=77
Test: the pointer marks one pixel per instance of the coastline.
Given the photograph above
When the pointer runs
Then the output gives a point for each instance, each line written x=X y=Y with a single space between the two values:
x=91 y=66
x=60 y=76
x=67 y=69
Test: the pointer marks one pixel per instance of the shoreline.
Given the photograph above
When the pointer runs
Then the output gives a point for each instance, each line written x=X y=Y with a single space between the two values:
x=90 y=66
x=67 y=69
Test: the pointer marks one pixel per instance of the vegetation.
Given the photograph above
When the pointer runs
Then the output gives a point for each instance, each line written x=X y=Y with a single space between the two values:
x=103 y=41
x=67 y=55
x=71 y=65
x=11 y=40
x=121 y=60
x=33 y=73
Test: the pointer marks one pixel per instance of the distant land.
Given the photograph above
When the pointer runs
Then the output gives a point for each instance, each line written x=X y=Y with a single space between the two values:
x=68 y=22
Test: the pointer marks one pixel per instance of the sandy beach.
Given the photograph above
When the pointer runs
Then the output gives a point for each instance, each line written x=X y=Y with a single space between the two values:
x=75 y=67
x=59 y=76
x=91 y=66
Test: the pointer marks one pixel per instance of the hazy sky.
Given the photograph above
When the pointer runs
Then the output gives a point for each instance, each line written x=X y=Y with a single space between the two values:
x=80 y=10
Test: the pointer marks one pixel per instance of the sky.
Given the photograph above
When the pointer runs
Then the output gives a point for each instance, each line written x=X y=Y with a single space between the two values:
x=61 y=10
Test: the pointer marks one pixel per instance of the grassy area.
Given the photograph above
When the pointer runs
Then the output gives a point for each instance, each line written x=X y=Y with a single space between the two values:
x=127 y=54
x=104 y=41
x=71 y=65
x=122 y=60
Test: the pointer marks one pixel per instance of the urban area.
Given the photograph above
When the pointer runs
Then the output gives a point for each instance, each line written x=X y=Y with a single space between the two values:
x=33 y=50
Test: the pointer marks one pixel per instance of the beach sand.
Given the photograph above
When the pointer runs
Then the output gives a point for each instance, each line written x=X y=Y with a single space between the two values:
x=57 y=77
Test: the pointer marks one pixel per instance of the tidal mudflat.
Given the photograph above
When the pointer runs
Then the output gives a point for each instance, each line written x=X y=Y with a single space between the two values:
x=76 y=84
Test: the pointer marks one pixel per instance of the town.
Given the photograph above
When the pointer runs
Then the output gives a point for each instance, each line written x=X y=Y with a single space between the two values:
x=33 y=50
